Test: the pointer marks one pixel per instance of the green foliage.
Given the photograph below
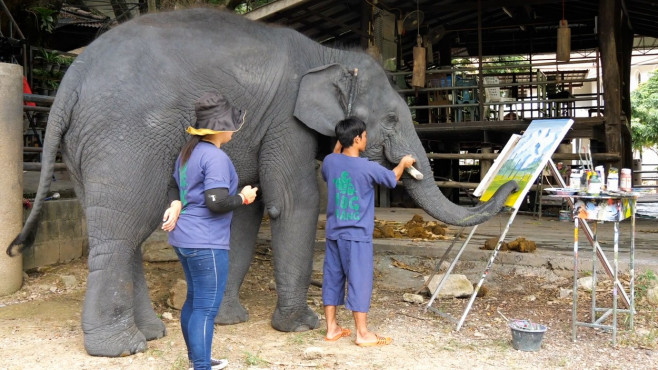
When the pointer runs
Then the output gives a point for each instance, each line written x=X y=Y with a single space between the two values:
x=645 y=282
x=644 y=113
x=46 y=17
x=253 y=359
x=506 y=64
x=250 y=5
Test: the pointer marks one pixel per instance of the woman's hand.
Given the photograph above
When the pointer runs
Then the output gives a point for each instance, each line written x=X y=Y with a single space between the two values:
x=338 y=148
x=248 y=194
x=171 y=215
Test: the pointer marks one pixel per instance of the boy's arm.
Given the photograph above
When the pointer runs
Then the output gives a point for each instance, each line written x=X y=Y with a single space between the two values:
x=405 y=162
x=338 y=148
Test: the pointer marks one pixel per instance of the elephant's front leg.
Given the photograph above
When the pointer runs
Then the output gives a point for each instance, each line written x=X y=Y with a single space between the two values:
x=292 y=201
x=293 y=239
x=108 y=319
x=244 y=230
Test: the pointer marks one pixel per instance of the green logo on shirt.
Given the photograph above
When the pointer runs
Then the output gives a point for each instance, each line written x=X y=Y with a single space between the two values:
x=347 y=203
x=182 y=177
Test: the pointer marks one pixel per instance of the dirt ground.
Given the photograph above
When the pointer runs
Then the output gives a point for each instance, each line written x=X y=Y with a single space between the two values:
x=40 y=325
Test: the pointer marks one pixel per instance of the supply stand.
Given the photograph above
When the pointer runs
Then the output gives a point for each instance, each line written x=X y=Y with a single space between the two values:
x=605 y=208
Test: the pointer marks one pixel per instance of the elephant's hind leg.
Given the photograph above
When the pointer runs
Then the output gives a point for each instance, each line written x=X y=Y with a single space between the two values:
x=146 y=319
x=107 y=317
x=244 y=230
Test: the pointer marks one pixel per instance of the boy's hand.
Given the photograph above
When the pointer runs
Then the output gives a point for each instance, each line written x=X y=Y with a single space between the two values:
x=407 y=161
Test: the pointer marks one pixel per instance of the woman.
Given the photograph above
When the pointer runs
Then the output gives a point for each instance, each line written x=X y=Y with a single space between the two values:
x=198 y=220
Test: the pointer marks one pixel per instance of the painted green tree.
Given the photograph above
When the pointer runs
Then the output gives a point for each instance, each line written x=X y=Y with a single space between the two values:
x=644 y=113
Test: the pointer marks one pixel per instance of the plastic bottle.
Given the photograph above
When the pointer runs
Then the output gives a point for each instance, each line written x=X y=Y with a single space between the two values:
x=613 y=180
x=625 y=182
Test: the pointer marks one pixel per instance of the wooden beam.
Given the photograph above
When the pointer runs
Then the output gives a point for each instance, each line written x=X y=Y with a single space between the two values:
x=600 y=157
x=273 y=8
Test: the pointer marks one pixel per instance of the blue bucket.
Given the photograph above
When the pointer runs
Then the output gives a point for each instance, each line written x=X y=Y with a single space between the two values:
x=526 y=335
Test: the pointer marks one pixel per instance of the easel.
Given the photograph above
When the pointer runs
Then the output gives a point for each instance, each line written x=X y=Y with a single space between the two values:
x=523 y=159
x=506 y=154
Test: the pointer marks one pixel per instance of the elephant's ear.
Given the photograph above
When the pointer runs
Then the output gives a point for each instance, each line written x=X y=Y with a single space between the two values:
x=322 y=98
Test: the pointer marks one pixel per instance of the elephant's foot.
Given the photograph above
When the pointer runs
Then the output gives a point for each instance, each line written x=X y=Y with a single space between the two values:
x=108 y=342
x=152 y=327
x=294 y=319
x=231 y=312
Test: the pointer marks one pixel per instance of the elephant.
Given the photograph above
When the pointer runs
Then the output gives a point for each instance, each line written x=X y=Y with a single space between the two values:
x=120 y=116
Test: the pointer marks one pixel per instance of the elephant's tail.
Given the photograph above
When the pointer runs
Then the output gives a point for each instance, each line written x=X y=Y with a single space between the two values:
x=58 y=123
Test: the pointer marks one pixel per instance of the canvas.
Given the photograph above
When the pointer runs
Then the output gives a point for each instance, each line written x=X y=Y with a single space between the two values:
x=524 y=160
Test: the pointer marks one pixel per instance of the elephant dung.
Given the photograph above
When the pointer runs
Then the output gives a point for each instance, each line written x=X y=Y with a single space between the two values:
x=522 y=245
x=490 y=244
x=519 y=244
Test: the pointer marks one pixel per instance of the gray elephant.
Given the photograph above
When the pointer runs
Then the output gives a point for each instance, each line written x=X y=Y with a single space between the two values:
x=121 y=114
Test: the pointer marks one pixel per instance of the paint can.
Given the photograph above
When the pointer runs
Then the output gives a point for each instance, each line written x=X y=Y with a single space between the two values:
x=564 y=215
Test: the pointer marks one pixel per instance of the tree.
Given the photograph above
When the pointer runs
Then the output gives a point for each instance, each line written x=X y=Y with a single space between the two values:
x=644 y=113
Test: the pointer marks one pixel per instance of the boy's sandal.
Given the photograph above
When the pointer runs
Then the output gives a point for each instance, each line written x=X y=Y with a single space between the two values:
x=344 y=333
x=381 y=341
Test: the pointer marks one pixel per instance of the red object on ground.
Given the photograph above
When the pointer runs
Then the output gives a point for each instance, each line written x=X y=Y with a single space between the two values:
x=27 y=90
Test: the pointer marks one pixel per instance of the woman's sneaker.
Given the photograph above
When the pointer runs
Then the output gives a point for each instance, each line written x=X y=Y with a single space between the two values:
x=215 y=364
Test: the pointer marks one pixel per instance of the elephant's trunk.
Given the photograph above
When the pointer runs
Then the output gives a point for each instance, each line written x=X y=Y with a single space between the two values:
x=430 y=198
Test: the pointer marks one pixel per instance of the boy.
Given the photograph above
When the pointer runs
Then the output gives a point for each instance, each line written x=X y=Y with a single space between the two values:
x=350 y=222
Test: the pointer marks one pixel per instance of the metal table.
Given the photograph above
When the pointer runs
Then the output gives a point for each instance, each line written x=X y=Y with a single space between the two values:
x=613 y=207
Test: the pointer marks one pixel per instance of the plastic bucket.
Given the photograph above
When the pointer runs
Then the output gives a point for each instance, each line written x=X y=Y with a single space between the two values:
x=526 y=335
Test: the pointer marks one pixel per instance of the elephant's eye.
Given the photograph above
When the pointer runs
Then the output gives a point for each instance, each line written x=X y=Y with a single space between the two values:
x=390 y=121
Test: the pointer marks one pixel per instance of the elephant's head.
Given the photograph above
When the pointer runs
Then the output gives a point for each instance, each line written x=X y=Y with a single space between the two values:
x=332 y=92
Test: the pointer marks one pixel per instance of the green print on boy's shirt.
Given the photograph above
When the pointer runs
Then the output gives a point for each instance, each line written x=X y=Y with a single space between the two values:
x=182 y=176
x=347 y=202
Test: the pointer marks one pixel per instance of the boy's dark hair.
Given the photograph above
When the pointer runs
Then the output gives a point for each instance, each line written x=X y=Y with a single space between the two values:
x=348 y=129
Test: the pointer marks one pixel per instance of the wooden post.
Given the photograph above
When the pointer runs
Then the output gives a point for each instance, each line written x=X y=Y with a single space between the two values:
x=480 y=82
x=485 y=164
x=152 y=6
x=11 y=181
x=608 y=11
x=625 y=56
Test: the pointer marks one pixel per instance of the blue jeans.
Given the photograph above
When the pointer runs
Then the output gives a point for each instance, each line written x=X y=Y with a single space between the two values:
x=205 y=271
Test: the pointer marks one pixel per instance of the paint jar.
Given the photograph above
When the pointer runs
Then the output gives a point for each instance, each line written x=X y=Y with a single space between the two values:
x=600 y=171
x=574 y=179
x=594 y=186
x=625 y=182
x=613 y=180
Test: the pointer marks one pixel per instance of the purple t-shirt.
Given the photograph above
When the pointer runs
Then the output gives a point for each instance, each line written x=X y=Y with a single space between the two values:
x=351 y=192
x=197 y=227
